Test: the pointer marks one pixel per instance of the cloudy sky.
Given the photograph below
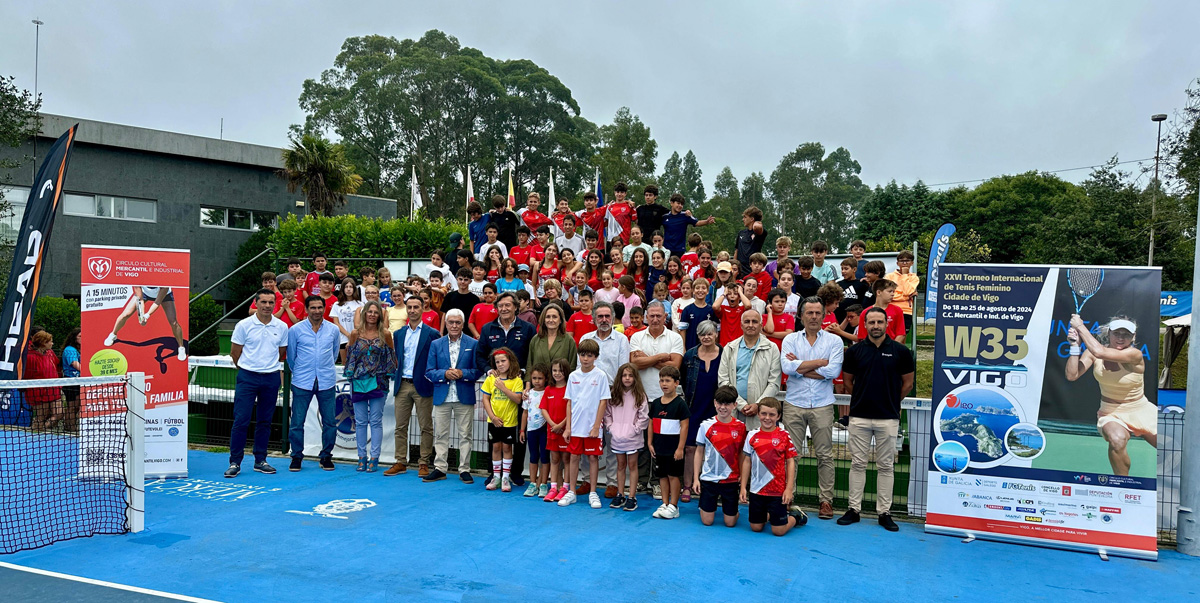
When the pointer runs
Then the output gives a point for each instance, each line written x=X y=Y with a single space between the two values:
x=939 y=91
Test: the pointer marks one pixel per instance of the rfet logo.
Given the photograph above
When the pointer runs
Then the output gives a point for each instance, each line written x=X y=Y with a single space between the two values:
x=99 y=267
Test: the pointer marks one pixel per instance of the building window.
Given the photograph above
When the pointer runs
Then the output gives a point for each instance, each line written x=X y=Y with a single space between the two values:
x=237 y=219
x=104 y=206
x=10 y=221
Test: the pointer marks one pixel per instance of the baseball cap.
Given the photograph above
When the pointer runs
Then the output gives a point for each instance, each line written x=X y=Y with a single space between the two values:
x=522 y=268
x=455 y=237
x=724 y=267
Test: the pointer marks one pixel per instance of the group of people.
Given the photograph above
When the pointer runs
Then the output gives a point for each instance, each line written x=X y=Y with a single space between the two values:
x=702 y=369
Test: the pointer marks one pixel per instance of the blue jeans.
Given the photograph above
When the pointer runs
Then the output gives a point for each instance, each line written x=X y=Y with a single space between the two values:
x=369 y=412
x=255 y=393
x=326 y=407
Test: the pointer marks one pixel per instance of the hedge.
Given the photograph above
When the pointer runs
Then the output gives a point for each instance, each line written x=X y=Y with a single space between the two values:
x=350 y=236
x=202 y=312
x=57 y=315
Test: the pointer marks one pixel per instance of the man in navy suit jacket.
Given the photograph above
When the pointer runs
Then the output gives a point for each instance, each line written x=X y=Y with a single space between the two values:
x=451 y=368
x=413 y=389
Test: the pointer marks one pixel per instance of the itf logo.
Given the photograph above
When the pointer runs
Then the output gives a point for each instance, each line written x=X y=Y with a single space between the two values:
x=99 y=267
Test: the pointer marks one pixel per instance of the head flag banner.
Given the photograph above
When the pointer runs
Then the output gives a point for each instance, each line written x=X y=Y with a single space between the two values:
x=937 y=255
x=470 y=197
x=414 y=191
x=29 y=255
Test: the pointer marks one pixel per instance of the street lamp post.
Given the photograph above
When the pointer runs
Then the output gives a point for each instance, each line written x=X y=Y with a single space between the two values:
x=1157 y=118
x=37 y=46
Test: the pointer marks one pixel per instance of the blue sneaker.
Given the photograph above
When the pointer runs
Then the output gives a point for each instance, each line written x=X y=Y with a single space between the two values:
x=263 y=467
x=233 y=470
x=631 y=503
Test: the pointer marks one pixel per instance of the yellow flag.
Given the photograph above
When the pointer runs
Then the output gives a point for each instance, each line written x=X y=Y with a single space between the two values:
x=512 y=197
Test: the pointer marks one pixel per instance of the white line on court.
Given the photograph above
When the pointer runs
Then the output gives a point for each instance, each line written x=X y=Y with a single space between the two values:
x=134 y=589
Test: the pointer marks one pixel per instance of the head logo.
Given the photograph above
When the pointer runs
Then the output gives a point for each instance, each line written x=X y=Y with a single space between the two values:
x=99 y=267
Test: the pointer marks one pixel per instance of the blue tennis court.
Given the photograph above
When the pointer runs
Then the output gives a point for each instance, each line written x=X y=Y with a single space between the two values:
x=277 y=537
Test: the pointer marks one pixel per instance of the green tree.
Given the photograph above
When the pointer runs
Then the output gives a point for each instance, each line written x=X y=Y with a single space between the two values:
x=446 y=109
x=671 y=180
x=754 y=192
x=19 y=123
x=817 y=196
x=725 y=205
x=692 y=179
x=627 y=152
x=902 y=211
x=319 y=169
x=1006 y=210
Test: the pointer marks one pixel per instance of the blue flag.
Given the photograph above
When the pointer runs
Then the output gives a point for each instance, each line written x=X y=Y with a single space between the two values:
x=937 y=255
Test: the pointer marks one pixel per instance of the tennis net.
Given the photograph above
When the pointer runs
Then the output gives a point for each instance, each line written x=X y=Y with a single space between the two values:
x=67 y=452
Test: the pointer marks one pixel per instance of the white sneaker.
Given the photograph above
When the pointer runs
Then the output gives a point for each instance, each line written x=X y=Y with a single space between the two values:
x=659 y=511
x=594 y=500
x=672 y=512
x=182 y=354
x=567 y=500
x=110 y=339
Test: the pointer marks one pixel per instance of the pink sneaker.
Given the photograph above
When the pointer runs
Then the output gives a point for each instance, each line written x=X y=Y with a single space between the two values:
x=506 y=484
x=552 y=495
x=561 y=493
x=494 y=482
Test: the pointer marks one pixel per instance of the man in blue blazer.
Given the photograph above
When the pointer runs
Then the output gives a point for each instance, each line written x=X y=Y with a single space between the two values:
x=413 y=389
x=451 y=368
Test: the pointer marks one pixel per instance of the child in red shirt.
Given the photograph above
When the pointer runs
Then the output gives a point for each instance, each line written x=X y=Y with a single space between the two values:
x=729 y=312
x=483 y=312
x=554 y=409
x=778 y=324
x=884 y=291
x=522 y=252
x=758 y=262
x=769 y=473
x=581 y=322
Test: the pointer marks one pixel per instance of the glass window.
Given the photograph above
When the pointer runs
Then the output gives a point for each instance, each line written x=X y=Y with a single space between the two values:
x=104 y=207
x=79 y=205
x=212 y=216
x=10 y=221
x=263 y=220
x=240 y=219
x=140 y=209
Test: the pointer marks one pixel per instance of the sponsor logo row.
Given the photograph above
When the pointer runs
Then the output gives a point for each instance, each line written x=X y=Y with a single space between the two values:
x=1127 y=498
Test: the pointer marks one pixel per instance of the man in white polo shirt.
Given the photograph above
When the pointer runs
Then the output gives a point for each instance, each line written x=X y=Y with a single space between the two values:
x=259 y=346
x=812 y=359
x=649 y=350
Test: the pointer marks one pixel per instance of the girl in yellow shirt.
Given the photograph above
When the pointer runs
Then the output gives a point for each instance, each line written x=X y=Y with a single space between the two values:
x=503 y=388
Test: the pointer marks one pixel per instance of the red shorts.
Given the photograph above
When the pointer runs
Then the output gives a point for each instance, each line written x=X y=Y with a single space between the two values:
x=555 y=442
x=586 y=446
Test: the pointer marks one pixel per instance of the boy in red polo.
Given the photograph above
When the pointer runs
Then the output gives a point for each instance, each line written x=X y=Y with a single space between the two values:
x=586 y=397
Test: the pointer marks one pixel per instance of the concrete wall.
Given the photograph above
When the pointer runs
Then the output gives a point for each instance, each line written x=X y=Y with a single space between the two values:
x=181 y=173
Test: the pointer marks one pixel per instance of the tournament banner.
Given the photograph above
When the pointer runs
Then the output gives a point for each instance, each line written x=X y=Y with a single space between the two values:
x=1175 y=303
x=134 y=304
x=29 y=252
x=1040 y=437
x=937 y=255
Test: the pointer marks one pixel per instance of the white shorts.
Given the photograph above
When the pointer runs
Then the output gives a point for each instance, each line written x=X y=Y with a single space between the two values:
x=1138 y=418
x=627 y=451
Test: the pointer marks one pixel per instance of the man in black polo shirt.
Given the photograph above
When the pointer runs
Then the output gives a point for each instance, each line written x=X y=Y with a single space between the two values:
x=650 y=215
x=506 y=222
x=880 y=370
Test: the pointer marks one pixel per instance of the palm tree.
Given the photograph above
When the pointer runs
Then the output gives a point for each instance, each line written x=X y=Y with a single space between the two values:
x=320 y=170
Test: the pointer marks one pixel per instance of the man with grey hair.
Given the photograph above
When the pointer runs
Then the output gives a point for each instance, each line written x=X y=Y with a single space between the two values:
x=650 y=350
x=750 y=364
x=614 y=352
x=812 y=359
x=450 y=366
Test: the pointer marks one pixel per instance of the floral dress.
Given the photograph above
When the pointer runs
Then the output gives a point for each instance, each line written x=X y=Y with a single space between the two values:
x=370 y=358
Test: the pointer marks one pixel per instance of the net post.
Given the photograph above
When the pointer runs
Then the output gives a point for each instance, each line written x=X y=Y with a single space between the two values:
x=135 y=452
x=1188 y=531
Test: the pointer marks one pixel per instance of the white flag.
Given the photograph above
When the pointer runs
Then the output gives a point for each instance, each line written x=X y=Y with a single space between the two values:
x=470 y=195
x=555 y=231
x=415 y=202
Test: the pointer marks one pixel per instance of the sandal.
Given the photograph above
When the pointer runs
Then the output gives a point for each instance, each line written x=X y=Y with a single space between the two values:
x=372 y=465
x=362 y=464
x=686 y=495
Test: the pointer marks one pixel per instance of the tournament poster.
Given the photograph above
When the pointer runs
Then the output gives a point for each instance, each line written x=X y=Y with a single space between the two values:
x=1043 y=434
x=134 y=304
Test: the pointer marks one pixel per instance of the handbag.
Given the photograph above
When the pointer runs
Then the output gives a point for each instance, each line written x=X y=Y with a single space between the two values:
x=364 y=385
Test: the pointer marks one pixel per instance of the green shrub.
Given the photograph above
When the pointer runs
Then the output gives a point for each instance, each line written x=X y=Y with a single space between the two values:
x=349 y=236
x=202 y=312
x=249 y=279
x=58 y=316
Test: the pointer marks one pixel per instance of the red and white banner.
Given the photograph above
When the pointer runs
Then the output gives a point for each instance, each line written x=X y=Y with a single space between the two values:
x=134 y=304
